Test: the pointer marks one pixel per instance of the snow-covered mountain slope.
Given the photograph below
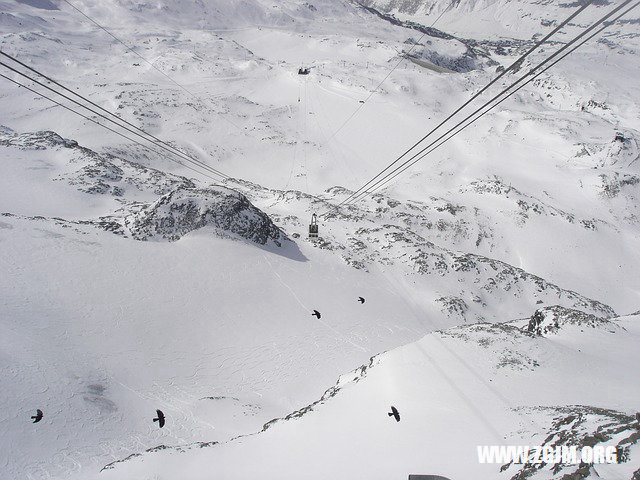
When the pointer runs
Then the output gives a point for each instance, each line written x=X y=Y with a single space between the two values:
x=220 y=337
x=481 y=384
x=129 y=283
x=412 y=235
x=489 y=19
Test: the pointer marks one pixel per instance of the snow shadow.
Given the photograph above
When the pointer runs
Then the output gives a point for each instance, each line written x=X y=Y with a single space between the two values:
x=289 y=249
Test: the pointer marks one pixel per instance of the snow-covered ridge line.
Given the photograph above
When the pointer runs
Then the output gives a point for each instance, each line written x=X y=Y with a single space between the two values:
x=549 y=320
x=152 y=205
x=91 y=172
x=182 y=207
x=520 y=19
x=350 y=378
x=343 y=381
x=433 y=32
x=383 y=230
x=572 y=425
x=473 y=55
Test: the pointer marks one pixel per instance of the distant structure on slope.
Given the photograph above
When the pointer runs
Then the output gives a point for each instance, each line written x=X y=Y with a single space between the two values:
x=304 y=71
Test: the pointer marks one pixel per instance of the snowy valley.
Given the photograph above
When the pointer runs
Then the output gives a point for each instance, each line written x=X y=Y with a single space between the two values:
x=500 y=275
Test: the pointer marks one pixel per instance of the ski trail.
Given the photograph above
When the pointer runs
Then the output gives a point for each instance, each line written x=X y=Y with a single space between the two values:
x=307 y=309
x=285 y=284
x=317 y=107
x=342 y=336
x=295 y=146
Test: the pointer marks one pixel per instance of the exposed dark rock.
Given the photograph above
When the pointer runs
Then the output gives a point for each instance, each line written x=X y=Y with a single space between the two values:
x=612 y=184
x=40 y=140
x=549 y=320
x=353 y=377
x=580 y=426
x=184 y=210
x=453 y=306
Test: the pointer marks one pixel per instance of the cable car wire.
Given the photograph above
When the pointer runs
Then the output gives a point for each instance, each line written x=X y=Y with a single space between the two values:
x=143 y=59
x=511 y=67
x=159 y=143
x=402 y=59
x=155 y=139
x=421 y=153
x=388 y=179
x=104 y=126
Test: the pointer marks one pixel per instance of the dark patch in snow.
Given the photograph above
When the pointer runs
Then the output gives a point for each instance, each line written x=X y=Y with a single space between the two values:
x=579 y=426
x=184 y=210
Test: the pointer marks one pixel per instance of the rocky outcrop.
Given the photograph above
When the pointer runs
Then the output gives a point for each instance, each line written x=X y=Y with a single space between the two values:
x=179 y=207
x=184 y=210
x=550 y=320
x=430 y=238
x=577 y=426
x=40 y=140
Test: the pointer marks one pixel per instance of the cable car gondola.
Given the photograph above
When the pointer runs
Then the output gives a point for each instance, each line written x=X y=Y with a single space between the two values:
x=313 y=228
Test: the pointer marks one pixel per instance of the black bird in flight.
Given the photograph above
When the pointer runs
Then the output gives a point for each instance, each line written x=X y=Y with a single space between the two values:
x=361 y=300
x=160 y=418
x=37 y=417
x=316 y=313
x=394 y=413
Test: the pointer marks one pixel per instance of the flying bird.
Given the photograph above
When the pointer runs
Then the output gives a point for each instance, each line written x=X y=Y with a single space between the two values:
x=316 y=313
x=37 y=417
x=160 y=418
x=361 y=300
x=394 y=413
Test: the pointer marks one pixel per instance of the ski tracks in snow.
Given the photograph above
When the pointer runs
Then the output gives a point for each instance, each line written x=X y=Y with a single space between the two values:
x=308 y=310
